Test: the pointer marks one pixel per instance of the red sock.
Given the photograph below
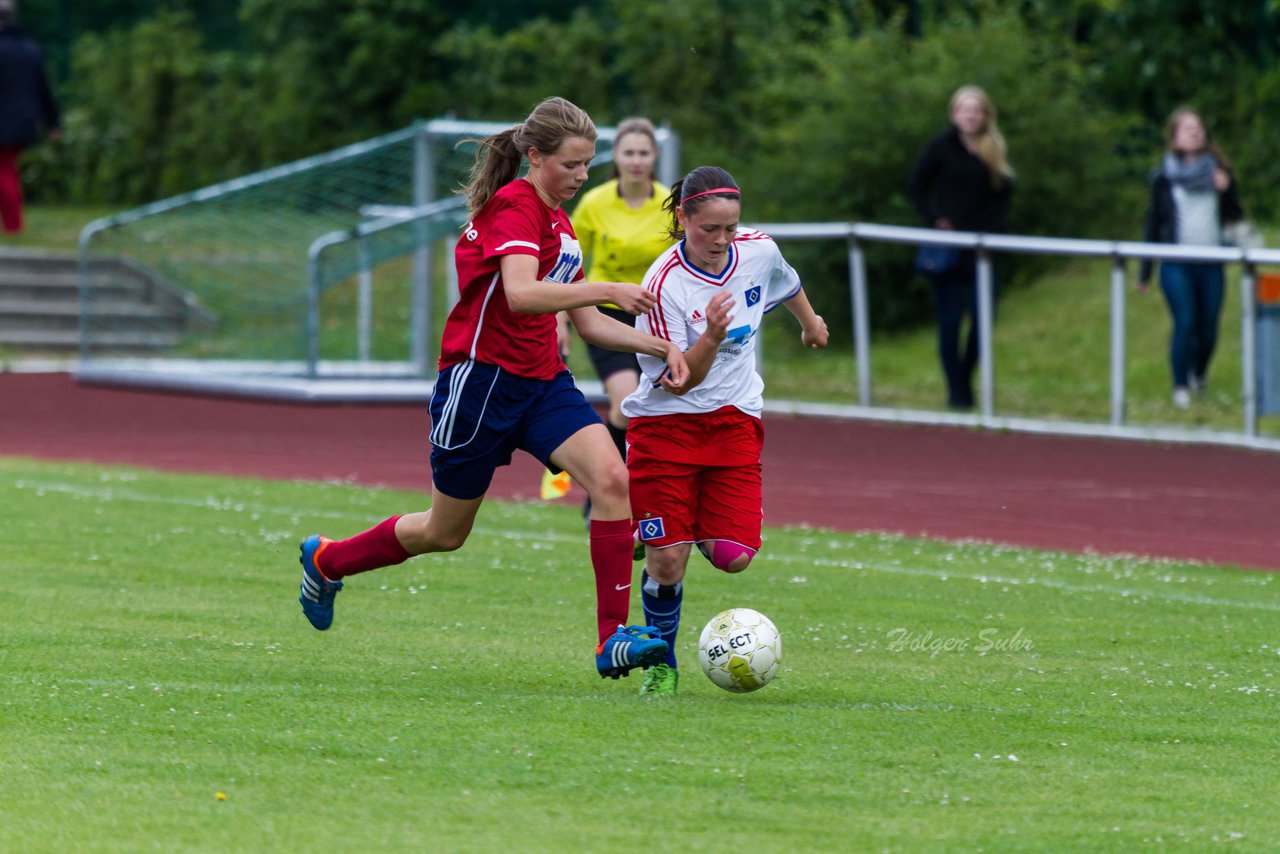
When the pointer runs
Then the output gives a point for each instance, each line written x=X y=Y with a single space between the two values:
x=373 y=549
x=611 y=545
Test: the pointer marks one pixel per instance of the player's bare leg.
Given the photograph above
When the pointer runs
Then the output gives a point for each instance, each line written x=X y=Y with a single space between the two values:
x=326 y=562
x=442 y=528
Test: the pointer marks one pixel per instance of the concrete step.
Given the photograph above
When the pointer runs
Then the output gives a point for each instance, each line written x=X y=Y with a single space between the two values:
x=16 y=308
x=119 y=317
x=36 y=259
x=130 y=307
x=69 y=340
x=66 y=281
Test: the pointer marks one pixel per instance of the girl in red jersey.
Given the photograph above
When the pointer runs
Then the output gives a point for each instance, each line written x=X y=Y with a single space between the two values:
x=502 y=384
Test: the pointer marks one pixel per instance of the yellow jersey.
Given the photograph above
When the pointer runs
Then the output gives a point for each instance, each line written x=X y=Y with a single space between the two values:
x=620 y=242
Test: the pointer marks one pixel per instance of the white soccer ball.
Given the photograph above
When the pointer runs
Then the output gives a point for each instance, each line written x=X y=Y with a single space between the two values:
x=740 y=650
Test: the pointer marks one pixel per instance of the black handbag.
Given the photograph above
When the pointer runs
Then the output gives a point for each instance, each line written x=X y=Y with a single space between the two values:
x=934 y=260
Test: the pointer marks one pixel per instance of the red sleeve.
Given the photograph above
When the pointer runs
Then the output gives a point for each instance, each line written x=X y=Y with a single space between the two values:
x=516 y=228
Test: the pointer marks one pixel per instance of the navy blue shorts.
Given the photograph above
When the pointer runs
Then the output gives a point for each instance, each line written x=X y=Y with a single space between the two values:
x=480 y=415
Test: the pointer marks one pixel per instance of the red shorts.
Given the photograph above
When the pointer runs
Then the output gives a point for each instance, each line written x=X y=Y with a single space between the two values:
x=696 y=477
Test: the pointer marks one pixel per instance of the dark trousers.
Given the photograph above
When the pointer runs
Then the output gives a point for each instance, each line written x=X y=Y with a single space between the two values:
x=1194 y=293
x=10 y=190
x=955 y=295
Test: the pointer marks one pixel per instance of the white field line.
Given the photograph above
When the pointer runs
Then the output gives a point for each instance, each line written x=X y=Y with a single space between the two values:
x=112 y=493
x=1051 y=584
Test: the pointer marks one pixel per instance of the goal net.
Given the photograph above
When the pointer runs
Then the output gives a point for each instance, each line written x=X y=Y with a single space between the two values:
x=325 y=278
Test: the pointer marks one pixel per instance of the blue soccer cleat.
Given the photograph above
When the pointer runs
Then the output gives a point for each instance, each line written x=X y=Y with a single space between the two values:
x=628 y=648
x=317 y=591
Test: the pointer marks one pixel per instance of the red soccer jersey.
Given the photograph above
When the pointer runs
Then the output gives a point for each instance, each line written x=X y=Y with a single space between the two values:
x=482 y=327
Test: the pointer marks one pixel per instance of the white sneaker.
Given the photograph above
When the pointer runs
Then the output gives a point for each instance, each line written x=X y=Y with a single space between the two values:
x=1196 y=384
x=1182 y=397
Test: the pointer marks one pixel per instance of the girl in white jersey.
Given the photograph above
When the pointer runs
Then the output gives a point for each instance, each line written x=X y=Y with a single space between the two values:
x=694 y=451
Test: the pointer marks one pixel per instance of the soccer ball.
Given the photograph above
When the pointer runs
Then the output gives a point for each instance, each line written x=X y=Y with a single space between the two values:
x=740 y=650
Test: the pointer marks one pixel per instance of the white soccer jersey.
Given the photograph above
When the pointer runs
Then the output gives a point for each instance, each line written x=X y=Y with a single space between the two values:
x=759 y=278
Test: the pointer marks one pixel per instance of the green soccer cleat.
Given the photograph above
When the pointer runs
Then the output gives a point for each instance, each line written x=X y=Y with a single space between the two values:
x=660 y=681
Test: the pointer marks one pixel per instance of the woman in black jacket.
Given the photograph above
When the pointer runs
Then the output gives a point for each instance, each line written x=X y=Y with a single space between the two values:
x=1193 y=195
x=26 y=105
x=962 y=180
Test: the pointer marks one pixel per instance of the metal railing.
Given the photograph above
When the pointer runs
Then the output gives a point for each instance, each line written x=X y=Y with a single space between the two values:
x=855 y=235
x=984 y=245
x=423 y=223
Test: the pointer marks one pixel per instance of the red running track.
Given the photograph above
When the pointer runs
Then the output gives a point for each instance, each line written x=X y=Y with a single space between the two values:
x=1111 y=496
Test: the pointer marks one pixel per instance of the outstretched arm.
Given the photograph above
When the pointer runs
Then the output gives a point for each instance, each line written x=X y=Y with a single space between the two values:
x=527 y=295
x=604 y=331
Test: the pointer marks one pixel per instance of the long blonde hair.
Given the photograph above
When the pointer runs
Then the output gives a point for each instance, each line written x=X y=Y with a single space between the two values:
x=498 y=159
x=992 y=149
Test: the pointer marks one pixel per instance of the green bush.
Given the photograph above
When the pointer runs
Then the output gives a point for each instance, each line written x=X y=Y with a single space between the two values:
x=150 y=113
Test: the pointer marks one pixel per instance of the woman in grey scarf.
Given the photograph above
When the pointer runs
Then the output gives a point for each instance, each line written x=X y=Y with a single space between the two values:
x=1193 y=195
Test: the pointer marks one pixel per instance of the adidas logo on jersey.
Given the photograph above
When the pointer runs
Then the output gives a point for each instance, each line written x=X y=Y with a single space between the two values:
x=697 y=317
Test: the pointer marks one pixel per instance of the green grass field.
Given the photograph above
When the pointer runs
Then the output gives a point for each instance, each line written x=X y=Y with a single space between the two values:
x=54 y=227
x=162 y=692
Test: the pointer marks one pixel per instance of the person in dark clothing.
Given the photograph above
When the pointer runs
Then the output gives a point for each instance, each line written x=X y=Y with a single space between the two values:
x=962 y=180
x=26 y=105
x=1193 y=195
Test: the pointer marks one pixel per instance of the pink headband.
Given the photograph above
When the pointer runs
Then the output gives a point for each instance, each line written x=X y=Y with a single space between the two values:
x=709 y=192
